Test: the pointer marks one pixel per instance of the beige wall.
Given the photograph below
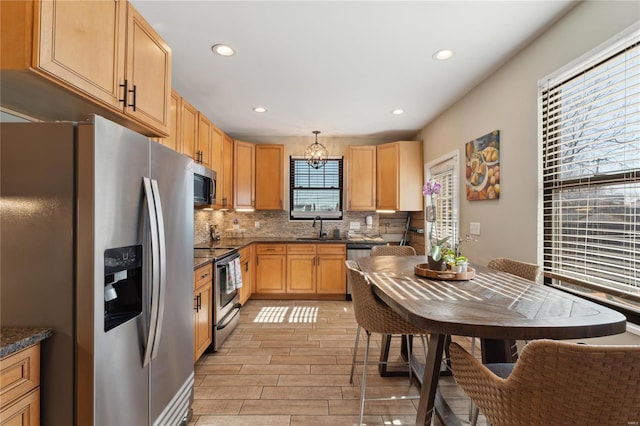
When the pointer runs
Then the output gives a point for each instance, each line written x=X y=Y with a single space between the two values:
x=507 y=101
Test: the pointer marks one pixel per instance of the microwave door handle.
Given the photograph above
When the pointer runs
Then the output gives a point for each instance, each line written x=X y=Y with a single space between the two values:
x=162 y=245
x=155 y=275
x=212 y=191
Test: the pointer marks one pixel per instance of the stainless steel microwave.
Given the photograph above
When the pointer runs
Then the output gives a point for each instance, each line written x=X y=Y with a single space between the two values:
x=204 y=186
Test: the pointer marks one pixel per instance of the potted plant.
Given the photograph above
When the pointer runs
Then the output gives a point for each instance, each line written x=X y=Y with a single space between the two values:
x=461 y=264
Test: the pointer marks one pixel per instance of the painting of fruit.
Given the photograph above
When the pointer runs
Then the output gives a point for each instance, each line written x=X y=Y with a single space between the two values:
x=482 y=167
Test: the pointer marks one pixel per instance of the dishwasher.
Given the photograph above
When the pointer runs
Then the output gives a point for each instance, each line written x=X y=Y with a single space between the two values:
x=354 y=252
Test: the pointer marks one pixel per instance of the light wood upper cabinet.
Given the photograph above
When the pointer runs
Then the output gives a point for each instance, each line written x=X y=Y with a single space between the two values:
x=361 y=178
x=225 y=177
x=175 y=115
x=269 y=177
x=205 y=130
x=148 y=77
x=399 y=176
x=93 y=62
x=188 y=129
x=217 y=137
x=244 y=180
x=63 y=60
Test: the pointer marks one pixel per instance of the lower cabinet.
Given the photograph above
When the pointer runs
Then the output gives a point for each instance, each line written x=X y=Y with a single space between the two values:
x=246 y=266
x=301 y=269
x=271 y=268
x=203 y=309
x=20 y=388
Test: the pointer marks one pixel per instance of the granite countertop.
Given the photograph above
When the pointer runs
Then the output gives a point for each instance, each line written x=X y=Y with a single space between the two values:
x=239 y=243
x=14 y=339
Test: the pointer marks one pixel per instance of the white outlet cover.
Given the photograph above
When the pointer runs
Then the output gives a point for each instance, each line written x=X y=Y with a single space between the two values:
x=354 y=225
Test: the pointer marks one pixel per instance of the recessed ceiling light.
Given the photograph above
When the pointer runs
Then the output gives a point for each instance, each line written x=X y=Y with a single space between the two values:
x=223 y=50
x=259 y=109
x=397 y=111
x=443 y=54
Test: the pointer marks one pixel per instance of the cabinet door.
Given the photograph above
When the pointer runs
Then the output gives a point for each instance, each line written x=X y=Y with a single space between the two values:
x=301 y=268
x=175 y=115
x=24 y=412
x=361 y=180
x=148 y=73
x=387 y=176
x=217 y=137
x=269 y=177
x=271 y=273
x=244 y=182
x=188 y=129
x=331 y=274
x=203 y=152
x=203 y=320
x=83 y=43
x=246 y=265
x=226 y=177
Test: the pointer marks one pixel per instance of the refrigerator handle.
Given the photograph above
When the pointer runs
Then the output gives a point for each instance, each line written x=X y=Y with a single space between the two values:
x=155 y=274
x=163 y=267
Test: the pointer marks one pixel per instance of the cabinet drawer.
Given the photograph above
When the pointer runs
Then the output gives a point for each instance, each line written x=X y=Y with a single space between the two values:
x=332 y=249
x=202 y=275
x=19 y=373
x=24 y=412
x=271 y=249
x=301 y=248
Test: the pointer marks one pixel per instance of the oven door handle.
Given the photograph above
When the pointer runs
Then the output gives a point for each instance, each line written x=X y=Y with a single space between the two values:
x=229 y=317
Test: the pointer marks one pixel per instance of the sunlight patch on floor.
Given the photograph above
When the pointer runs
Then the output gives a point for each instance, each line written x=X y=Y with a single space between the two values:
x=278 y=314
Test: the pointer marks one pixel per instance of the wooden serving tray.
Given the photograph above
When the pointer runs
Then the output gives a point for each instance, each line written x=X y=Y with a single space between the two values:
x=423 y=270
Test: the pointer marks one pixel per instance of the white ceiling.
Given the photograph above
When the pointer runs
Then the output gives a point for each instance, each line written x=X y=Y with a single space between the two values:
x=340 y=67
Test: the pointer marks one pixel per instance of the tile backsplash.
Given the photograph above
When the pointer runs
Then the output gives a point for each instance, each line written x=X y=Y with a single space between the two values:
x=276 y=224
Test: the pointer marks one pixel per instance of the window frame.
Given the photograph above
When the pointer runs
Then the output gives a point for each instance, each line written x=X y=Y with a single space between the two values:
x=311 y=215
x=446 y=164
x=551 y=188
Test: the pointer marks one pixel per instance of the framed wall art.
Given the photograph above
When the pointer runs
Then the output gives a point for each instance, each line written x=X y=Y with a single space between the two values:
x=482 y=167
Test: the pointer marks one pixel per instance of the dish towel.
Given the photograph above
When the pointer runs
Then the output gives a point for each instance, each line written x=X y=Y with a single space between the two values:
x=234 y=276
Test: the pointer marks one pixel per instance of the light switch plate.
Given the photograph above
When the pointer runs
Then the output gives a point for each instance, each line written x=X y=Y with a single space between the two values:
x=354 y=225
x=474 y=228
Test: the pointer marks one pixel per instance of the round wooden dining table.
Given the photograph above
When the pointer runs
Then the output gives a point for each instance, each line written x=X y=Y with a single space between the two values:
x=494 y=306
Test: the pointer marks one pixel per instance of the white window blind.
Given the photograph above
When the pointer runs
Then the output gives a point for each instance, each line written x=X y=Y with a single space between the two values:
x=315 y=192
x=444 y=170
x=590 y=130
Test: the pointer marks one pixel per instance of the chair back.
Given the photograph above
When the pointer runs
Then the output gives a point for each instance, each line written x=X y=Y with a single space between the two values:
x=371 y=313
x=556 y=383
x=529 y=271
x=393 y=251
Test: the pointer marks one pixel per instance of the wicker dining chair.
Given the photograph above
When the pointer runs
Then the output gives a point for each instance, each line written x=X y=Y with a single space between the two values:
x=556 y=383
x=393 y=251
x=529 y=271
x=374 y=316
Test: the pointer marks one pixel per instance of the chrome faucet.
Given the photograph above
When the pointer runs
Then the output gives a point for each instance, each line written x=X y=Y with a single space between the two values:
x=322 y=234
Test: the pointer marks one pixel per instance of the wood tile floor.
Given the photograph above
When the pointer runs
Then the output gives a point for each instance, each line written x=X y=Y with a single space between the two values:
x=288 y=364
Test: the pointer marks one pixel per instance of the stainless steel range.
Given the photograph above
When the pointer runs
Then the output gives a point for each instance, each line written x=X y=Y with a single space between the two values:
x=226 y=282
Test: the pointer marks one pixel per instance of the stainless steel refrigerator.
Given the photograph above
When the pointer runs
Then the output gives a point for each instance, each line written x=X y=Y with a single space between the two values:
x=96 y=235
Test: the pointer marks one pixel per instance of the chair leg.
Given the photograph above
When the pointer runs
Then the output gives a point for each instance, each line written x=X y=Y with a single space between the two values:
x=355 y=354
x=408 y=339
x=474 y=417
x=363 y=385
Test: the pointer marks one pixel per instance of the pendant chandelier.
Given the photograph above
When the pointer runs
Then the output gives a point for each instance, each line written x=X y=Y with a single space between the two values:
x=316 y=154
